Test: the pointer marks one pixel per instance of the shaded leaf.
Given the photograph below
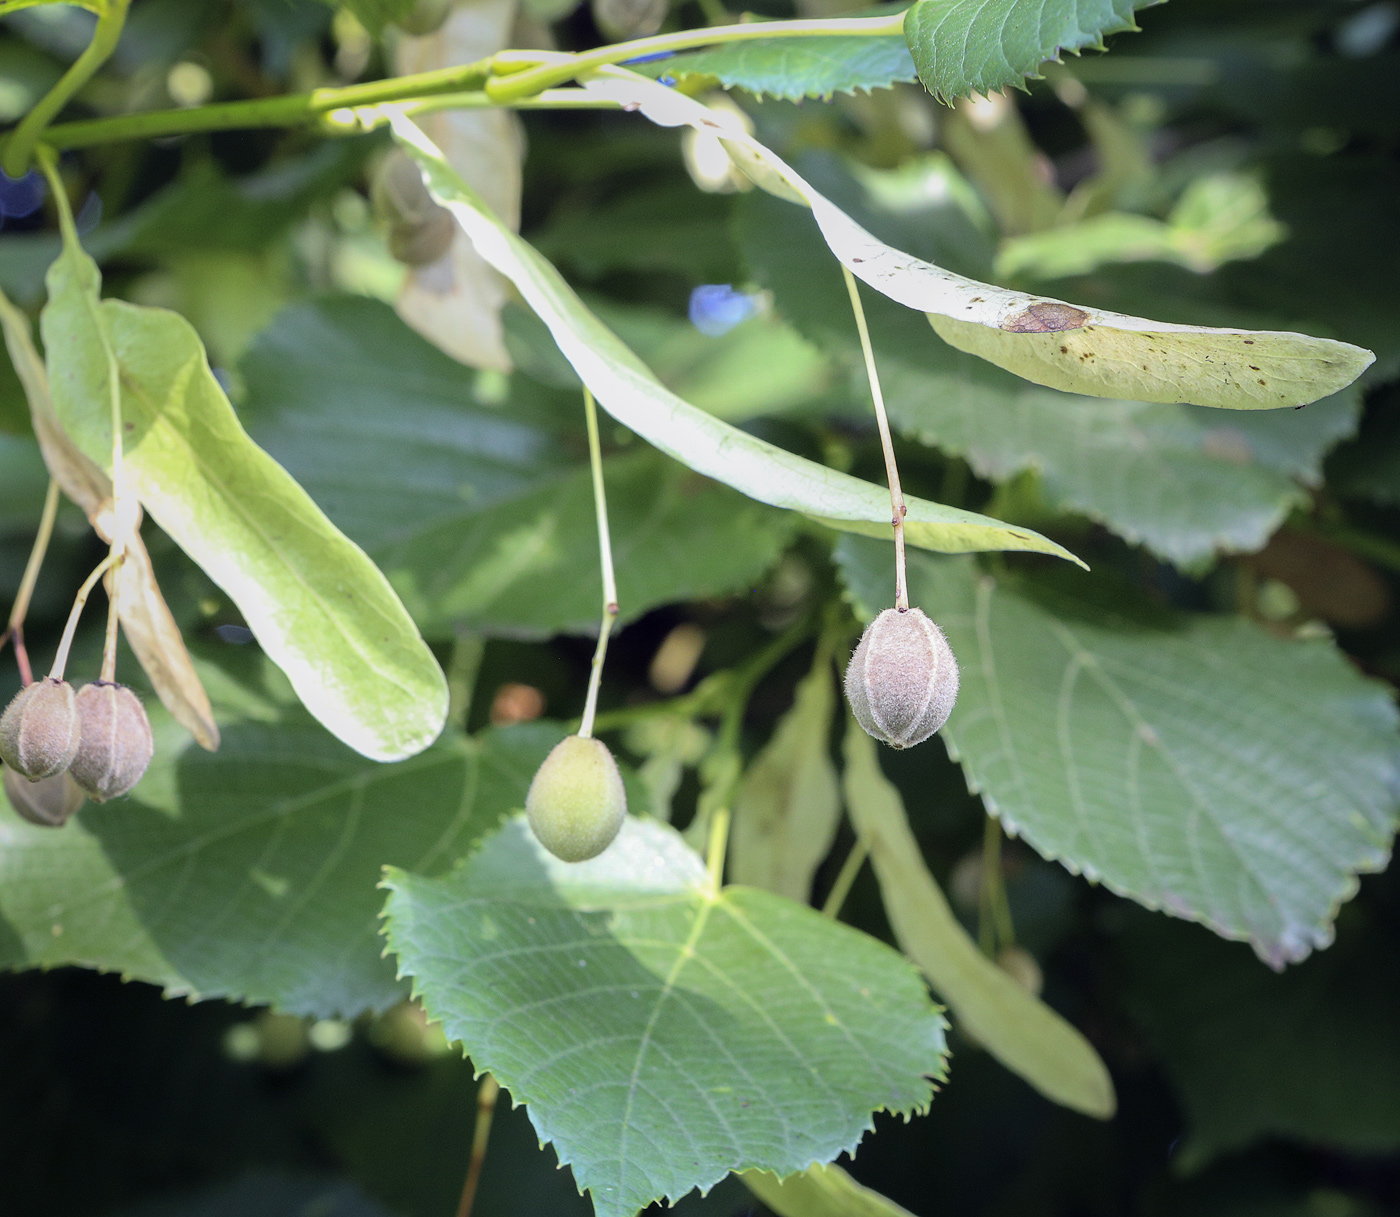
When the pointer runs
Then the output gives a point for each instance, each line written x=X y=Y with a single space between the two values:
x=320 y=608
x=962 y=48
x=1064 y=346
x=606 y=995
x=1211 y=770
x=788 y=805
x=1223 y=1024
x=1017 y=1028
x=250 y=873
x=628 y=391
x=474 y=511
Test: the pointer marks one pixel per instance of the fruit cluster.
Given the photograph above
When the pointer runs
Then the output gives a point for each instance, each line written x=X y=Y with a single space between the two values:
x=60 y=746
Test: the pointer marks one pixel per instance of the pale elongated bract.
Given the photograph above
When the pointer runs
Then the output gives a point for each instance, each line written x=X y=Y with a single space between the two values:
x=627 y=389
x=1050 y=342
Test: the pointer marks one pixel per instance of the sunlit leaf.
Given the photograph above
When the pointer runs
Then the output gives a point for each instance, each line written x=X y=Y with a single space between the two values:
x=629 y=391
x=146 y=619
x=1211 y=770
x=320 y=608
x=1185 y=481
x=662 y=1032
x=1081 y=350
x=964 y=47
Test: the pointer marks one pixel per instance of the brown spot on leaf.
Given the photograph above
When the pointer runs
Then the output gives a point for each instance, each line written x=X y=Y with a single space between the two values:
x=1045 y=318
x=1064 y=350
x=1249 y=342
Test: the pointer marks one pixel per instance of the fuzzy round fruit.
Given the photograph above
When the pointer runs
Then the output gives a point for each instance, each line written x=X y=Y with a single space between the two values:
x=39 y=731
x=50 y=802
x=116 y=740
x=576 y=804
x=902 y=680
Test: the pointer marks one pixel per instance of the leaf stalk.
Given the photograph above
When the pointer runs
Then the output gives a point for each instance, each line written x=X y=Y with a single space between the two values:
x=897 y=508
x=600 y=503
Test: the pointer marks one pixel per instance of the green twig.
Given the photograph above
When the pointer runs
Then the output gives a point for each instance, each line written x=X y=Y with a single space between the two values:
x=519 y=81
x=486 y=1094
x=522 y=73
x=22 y=142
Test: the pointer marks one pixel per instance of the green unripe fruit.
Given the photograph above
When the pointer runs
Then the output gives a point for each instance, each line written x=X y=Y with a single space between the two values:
x=425 y=17
x=39 y=731
x=50 y=802
x=576 y=804
x=902 y=680
x=116 y=745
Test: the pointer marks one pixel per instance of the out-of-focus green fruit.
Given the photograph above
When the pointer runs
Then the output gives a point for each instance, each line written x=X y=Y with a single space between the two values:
x=576 y=804
x=425 y=17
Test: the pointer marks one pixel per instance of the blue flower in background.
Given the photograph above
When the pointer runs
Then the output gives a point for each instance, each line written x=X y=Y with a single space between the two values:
x=716 y=308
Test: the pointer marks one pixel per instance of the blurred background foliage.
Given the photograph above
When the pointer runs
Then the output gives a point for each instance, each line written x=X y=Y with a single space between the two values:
x=1233 y=163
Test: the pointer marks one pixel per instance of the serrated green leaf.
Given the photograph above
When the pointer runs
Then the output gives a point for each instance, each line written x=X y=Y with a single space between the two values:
x=250 y=873
x=320 y=608
x=475 y=512
x=793 y=68
x=1212 y=771
x=788 y=804
x=1050 y=342
x=1185 y=481
x=980 y=46
x=627 y=389
x=819 y=1191
x=663 y=1032
x=1017 y=1028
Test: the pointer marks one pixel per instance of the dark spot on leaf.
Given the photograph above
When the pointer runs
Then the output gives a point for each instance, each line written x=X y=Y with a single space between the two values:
x=1045 y=318
x=1249 y=342
x=1064 y=350
x=1261 y=382
x=1252 y=368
